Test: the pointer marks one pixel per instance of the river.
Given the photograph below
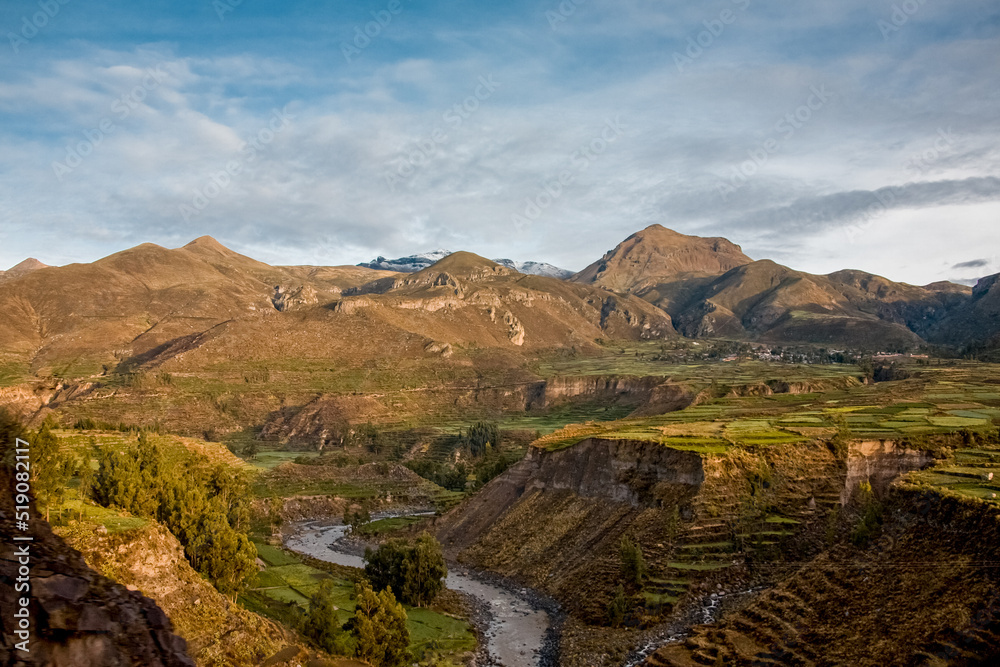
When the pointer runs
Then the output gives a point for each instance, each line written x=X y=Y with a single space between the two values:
x=517 y=629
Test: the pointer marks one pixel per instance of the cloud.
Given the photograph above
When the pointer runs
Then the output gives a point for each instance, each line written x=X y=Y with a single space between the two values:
x=317 y=192
x=972 y=264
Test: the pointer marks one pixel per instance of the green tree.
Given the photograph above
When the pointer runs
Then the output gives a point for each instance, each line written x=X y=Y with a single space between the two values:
x=225 y=556
x=379 y=627
x=355 y=518
x=633 y=564
x=368 y=436
x=414 y=572
x=231 y=489
x=456 y=478
x=322 y=624
x=51 y=468
x=275 y=506
x=482 y=434
x=250 y=450
x=618 y=607
x=424 y=573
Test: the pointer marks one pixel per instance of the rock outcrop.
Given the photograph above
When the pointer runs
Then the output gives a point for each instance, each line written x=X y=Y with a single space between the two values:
x=78 y=618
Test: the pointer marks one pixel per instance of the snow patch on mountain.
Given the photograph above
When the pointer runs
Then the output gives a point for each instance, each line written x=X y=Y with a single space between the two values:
x=420 y=261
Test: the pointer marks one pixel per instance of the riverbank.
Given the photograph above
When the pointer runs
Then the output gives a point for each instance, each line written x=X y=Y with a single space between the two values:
x=518 y=627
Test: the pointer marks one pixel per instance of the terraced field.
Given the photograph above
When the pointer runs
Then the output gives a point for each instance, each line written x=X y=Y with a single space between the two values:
x=935 y=402
x=973 y=472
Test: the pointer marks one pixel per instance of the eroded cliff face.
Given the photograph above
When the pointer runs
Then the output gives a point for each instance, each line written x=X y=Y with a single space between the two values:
x=325 y=419
x=632 y=474
x=702 y=519
x=79 y=617
x=558 y=518
x=879 y=462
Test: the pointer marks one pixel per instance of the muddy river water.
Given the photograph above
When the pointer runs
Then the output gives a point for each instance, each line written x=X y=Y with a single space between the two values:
x=517 y=629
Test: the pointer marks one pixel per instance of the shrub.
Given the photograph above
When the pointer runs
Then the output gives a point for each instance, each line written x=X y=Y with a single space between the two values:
x=633 y=564
x=617 y=608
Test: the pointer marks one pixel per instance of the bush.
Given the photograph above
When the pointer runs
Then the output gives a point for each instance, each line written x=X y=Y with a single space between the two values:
x=870 y=518
x=617 y=608
x=633 y=564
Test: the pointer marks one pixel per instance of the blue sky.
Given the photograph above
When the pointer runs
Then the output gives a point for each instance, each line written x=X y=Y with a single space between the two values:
x=822 y=135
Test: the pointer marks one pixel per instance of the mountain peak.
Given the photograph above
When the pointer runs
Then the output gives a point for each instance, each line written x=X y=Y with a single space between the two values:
x=30 y=264
x=658 y=254
x=464 y=263
x=208 y=243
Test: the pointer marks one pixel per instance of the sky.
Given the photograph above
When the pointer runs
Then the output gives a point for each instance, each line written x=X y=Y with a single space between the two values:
x=824 y=135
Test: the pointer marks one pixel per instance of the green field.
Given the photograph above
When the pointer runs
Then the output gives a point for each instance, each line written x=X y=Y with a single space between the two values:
x=910 y=409
x=283 y=589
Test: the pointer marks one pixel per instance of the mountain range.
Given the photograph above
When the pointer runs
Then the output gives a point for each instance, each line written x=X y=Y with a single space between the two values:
x=419 y=261
x=205 y=303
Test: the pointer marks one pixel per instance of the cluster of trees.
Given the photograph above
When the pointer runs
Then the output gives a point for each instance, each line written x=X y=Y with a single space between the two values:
x=50 y=467
x=378 y=626
x=206 y=507
x=397 y=572
x=414 y=572
x=487 y=461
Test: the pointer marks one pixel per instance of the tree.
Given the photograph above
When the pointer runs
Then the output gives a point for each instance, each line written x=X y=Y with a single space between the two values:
x=456 y=478
x=357 y=518
x=618 y=607
x=231 y=488
x=379 y=627
x=250 y=450
x=51 y=468
x=633 y=564
x=322 y=624
x=226 y=557
x=482 y=434
x=275 y=506
x=368 y=436
x=85 y=474
x=414 y=572
x=425 y=571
